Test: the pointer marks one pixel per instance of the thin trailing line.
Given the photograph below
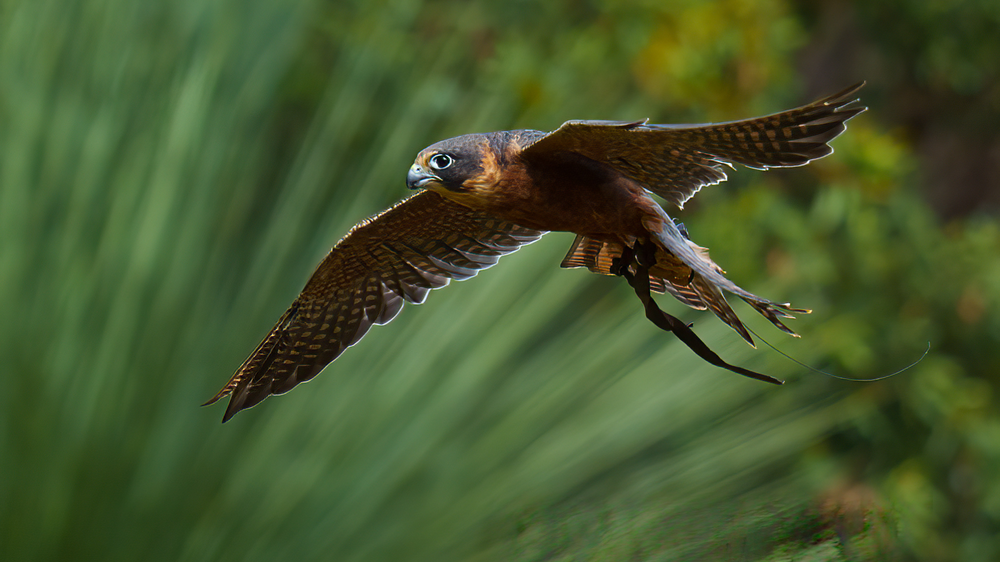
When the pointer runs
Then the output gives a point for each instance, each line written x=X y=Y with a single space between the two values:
x=838 y=377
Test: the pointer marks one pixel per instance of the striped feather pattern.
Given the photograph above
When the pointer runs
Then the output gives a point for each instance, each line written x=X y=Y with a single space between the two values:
x=596 y=256
x=676 y=161
x=421 y=243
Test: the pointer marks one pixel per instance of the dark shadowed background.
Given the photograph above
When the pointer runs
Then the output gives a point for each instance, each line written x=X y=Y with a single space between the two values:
x=171 y=172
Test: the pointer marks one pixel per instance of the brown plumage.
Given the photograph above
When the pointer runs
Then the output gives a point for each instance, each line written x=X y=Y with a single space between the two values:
x=485 y=195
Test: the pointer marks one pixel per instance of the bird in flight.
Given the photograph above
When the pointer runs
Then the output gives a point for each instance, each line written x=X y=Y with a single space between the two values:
x=482 y=196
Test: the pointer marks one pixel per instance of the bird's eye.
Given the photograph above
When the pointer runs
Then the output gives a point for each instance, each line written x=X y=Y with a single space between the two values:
x=441 y=161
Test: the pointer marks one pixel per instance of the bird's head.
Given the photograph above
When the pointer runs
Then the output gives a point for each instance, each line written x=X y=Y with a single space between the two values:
x=464 y=165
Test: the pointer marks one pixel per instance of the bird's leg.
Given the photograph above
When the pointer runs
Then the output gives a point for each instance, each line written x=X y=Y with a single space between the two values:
x=621 y=264
x=639 y=280
x=645 y=253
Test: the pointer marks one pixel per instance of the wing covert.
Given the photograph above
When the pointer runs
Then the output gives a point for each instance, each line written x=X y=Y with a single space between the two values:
x=421 y=243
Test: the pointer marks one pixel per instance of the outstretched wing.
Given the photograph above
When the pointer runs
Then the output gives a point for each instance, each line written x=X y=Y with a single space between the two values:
x=400 y=255
x=675 y=161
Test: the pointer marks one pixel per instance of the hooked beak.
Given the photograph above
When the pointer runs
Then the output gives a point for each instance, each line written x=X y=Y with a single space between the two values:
x=418 y=177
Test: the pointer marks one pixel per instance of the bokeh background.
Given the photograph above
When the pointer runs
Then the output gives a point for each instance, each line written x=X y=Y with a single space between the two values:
x=171 y=172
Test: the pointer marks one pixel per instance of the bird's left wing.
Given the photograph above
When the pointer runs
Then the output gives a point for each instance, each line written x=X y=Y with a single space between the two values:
x=675 y=161
x=419 y=244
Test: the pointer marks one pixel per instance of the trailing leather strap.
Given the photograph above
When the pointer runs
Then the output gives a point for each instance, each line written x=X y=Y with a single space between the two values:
x=632 y=266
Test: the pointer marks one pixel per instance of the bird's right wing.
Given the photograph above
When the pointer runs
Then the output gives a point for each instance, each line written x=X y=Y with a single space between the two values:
x=419 y=244
x=675 y=161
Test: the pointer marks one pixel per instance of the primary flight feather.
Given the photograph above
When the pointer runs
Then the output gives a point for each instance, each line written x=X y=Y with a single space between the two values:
x=485 y=195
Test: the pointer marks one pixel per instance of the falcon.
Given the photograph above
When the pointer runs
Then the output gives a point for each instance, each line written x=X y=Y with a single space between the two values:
x=482 y=196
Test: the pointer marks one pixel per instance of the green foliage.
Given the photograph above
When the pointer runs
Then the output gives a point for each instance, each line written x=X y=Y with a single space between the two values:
x=171 y=172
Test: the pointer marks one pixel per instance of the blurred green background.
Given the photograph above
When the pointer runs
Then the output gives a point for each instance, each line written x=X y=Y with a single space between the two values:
x=171 y=172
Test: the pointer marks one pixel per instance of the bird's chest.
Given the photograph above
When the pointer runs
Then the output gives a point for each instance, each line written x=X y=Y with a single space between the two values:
x=574 y=194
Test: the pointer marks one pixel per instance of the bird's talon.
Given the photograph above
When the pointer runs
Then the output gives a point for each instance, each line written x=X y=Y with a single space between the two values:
x=619 y=265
